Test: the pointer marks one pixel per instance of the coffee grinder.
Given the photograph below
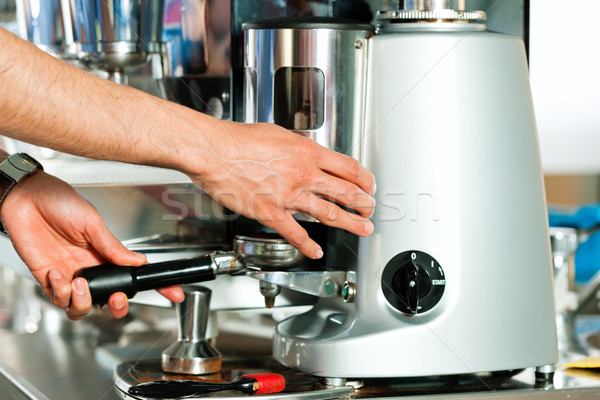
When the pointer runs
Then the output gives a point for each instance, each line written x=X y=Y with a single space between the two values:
x=457 y=277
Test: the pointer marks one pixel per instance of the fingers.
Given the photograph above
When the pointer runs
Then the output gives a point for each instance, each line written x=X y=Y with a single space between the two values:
x=73 y=296
x=344 y=193
x=117 y=305
x=347 y=168
x=81 y=300
x=332 y=215
x=61 y=288
x=297 y=236
x=173 y=293
x=110 y=248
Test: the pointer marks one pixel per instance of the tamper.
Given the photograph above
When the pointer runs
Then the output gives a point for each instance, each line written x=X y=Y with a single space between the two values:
x=192 y=353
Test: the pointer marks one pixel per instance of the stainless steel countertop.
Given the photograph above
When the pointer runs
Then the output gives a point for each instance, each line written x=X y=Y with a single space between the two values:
x=68 y=360
x=42 y=366
x=68 y=365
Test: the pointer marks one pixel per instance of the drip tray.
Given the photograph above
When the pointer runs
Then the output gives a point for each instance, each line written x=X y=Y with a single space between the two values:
x=298 y=384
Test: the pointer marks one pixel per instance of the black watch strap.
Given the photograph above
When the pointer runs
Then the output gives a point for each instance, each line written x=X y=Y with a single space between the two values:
x=6 y=184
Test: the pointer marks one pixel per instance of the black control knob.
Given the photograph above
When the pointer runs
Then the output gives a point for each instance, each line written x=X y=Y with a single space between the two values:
x=413 y=282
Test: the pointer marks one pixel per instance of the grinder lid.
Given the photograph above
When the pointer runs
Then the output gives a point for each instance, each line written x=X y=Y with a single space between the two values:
x=308 y=22
x=431 y=11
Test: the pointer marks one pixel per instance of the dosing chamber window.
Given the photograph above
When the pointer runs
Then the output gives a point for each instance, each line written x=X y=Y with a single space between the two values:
x=299 y=98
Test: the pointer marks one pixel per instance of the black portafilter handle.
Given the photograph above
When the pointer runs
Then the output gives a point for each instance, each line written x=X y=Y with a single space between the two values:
x=106 y=279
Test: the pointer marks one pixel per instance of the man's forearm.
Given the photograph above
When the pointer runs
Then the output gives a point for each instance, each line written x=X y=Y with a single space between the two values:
x=47 y=102
x=261 y=171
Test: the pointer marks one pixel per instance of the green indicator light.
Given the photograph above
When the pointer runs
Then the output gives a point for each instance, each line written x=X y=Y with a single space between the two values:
x=329 y=286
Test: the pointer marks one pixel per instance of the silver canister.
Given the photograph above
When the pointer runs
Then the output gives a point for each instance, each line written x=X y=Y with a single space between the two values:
x=117 y=34
x=307 y=74
x=40 y=22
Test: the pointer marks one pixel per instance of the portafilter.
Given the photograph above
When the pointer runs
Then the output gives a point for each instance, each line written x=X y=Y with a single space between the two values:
x=267 y=251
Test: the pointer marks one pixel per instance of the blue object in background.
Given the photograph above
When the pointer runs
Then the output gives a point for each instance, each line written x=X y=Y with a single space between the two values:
x=585 y=218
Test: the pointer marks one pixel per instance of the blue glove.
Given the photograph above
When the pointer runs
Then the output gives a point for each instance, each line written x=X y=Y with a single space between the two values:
x=584 y=218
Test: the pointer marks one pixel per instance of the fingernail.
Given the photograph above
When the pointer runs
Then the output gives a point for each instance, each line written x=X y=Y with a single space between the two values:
x=374 y=188
x=119 y=303
x=55 y=274
x=319 y=253
x=372 y=212
x=79 y=286
x=137 y=259
x=141 y=257
x=369 y=228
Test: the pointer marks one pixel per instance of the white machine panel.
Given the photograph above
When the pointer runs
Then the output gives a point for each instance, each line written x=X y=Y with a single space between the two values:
x=564 y=60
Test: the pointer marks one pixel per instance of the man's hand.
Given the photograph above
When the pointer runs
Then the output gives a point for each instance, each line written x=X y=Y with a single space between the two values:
x=56 y=232
x=268 y=173
x=261 y=171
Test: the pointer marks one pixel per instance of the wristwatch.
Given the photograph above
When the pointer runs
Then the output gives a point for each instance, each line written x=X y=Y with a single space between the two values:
x=13 y=170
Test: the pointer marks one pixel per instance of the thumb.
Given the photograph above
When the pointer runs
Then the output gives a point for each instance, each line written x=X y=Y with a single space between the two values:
x=111 y=249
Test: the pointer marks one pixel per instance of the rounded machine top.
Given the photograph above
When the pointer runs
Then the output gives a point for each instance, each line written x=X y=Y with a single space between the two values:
x=431 y=11
x=307 y=22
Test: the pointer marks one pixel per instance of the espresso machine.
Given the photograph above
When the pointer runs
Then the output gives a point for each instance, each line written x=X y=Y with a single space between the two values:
x=173 y=49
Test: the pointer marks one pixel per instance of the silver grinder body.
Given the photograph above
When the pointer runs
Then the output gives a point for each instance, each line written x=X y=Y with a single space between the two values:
x=447 y=127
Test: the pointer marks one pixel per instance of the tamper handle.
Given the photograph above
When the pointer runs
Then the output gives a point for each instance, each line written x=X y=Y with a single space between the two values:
x=106 y=279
